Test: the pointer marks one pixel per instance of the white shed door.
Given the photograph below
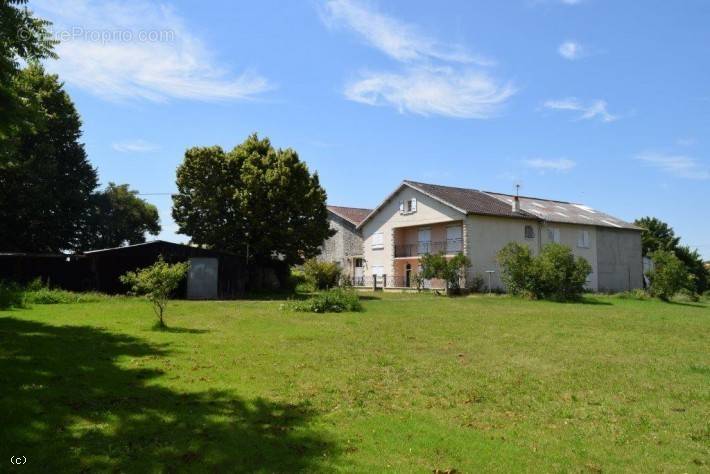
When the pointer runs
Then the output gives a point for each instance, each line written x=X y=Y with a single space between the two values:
x=202 y=279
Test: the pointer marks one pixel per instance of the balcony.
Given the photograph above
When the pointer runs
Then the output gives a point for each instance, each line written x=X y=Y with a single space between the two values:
x=448 y=246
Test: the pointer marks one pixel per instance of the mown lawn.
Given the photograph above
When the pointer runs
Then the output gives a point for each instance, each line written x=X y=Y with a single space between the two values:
x=414 y=383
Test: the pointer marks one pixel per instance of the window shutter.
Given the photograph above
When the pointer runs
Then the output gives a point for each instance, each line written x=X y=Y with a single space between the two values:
x=557 y=236
x=414 y=204
x=401 y=206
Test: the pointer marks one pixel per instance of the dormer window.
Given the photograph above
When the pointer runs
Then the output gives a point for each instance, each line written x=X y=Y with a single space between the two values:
x=408 y=207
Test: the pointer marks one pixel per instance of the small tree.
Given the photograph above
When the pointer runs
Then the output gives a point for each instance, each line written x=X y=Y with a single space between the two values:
x=322 y=275
x=157 y=283
x=668 y=276
x=450 y=270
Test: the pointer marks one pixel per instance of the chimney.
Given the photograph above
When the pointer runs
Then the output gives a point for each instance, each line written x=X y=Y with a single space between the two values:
x=516 y=204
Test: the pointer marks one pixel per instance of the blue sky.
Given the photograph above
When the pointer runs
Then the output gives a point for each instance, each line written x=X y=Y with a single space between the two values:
x=601 y=102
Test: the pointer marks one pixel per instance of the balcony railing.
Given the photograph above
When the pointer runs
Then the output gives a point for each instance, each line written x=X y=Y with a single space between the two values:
x=448 y=246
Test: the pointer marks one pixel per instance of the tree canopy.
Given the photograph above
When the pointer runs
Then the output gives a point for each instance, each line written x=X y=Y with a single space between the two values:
x=255 y=201
x=117 y=216
x=22 y=37
x=46 y=179
x=657 y=235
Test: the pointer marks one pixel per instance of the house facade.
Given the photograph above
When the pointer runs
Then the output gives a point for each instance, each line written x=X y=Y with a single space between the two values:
x=419 y=218
x=345 y=246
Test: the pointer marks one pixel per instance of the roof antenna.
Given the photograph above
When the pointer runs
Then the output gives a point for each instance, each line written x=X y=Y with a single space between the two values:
x=516 y=200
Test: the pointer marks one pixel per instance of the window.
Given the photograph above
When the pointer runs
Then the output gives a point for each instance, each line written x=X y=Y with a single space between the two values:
x=529 y=232
x=583 y=239
x=553 y=234
x=378 y=240
x=454 y=239
x=407 y=207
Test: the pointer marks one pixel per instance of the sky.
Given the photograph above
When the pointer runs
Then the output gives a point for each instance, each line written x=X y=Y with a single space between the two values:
x=605 y=103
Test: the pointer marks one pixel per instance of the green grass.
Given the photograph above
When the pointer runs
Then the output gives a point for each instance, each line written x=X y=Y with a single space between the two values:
x=414 y=383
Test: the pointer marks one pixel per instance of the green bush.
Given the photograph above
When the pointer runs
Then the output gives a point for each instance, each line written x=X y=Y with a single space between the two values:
x=53 y=296
x=637 y=294
x=554 y=274
x=477 y=284
x=451 y=270
x=11 y=295
x=668 y=275
x=321 y=275
x=335 y=300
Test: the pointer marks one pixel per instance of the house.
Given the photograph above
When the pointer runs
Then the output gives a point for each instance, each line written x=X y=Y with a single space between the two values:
x=345 y=246
x=419 y=218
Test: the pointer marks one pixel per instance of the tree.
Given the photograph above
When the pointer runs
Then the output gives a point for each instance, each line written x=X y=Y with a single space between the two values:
x=157 y=283
x=668 y=276
x=46 y=179
x=657 y=235
x=255 y=201
x=450 y=270
x=22 y=37
x=117 y=217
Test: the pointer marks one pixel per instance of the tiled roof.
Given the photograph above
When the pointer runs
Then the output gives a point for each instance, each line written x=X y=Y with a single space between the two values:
x=354 y=215
x=469 y=200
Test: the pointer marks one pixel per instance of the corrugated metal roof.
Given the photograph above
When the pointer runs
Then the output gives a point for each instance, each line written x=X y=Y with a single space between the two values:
x=564 y=212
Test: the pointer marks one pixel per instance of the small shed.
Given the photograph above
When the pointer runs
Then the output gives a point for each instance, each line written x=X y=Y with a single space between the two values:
x=212 y=274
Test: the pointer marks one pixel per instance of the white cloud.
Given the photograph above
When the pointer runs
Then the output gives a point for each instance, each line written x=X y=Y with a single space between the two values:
x=571 y=2
x=680 y=166
x=426 y=91
x=399 y=40
x=135 y=146
x=437 y=79
x=561 y=164
x=686 y=141
x=571 y=50
x=138 y=50
x=595 y=109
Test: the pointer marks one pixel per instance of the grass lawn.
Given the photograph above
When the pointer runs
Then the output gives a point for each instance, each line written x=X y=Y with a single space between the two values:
x=414 y=383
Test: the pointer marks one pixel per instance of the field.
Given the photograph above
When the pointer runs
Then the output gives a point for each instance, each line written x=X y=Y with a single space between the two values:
x=414 y=383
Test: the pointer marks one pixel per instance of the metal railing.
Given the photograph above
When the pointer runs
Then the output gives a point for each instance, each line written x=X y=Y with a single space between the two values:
x=448 y=246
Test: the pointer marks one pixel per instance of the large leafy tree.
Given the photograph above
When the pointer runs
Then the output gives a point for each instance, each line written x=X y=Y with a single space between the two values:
x=657 y=235
x=117 y=216
x=22 y=37
x=255 y=201
x=46 y=179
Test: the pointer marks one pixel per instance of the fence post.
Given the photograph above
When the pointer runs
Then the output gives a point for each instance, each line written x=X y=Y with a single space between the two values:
x=374 y=282
x=384 y=281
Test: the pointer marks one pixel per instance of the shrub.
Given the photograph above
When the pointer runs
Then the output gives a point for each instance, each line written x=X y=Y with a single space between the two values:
x=335 y=300
x=668 y=275
x=558 y=274
x=516 y=262
x=11 y=295
x=477 y=284
x=157 y=283
x=450 y=270
x=636 y=294
x=322 y=275
x=554 y=274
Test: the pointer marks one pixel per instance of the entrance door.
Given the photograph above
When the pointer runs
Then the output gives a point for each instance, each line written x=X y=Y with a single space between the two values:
x=202 y=279
x=424 y=241
x=359 y=273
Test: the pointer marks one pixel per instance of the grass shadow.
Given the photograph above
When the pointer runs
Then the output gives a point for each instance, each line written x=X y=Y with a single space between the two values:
x=176 y=330
x=69 y=406
x=688 y=304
